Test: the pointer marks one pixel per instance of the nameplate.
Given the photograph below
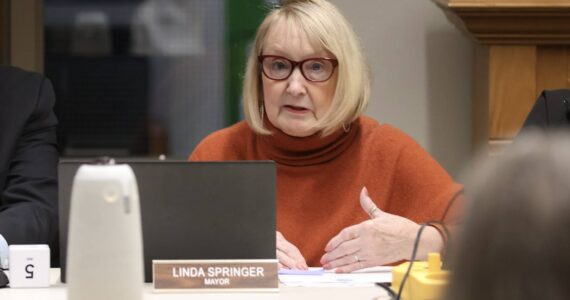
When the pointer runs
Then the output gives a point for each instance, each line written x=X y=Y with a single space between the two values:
x=215 y=275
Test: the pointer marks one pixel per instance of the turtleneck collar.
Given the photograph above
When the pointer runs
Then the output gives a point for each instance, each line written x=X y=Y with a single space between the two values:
x=305 y=151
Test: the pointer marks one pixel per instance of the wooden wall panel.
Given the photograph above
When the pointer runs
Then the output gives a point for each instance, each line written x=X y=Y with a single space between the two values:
x=512 y=88
x=568 y=64
x=552 y=68
x=27 y=35
x=567 y=75
x=528 y=42
x=480 y=103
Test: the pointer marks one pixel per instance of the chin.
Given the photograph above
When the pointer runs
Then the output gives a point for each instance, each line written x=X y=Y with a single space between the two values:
x=295 y=126
x=299 y=132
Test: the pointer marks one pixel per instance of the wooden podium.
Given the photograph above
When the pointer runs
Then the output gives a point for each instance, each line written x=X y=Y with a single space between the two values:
x=523 y=47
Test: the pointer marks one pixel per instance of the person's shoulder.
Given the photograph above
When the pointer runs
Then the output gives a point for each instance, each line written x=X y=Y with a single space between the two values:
x=387 y=142
x=10 y=76
x=384 y=134
x=20 y=88
x=224 y=144
x=233 y=133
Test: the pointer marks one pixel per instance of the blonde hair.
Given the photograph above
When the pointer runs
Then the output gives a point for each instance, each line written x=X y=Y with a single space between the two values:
x=325 y=26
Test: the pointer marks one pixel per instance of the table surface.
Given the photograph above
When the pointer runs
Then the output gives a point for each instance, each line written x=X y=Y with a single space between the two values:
x=57 y=291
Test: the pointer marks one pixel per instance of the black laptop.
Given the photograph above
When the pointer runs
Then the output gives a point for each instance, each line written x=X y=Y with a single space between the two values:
x=195 y=210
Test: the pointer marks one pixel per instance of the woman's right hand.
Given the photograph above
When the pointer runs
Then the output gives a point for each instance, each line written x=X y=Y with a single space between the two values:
x=288 y=255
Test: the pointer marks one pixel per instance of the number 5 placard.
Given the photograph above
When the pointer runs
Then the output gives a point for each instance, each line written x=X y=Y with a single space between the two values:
x=29 y=266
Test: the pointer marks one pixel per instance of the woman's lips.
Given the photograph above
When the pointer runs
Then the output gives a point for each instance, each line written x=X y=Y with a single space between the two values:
x=296 y=109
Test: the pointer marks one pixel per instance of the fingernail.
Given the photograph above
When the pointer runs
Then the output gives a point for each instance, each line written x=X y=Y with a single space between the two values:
x=327 y=266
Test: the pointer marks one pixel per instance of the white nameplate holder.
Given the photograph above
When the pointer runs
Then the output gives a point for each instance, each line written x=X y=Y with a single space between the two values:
x=246 y=275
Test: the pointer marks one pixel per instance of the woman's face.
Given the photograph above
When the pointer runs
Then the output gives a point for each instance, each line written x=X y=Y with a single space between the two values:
x=295 y=104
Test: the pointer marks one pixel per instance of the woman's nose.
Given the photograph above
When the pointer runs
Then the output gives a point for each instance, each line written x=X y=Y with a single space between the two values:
x=296 y=83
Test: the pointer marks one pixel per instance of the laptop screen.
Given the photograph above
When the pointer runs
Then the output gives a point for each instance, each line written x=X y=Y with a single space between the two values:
x=195 y=210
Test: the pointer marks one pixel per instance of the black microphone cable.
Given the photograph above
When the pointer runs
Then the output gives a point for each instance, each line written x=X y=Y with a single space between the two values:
x=446 y=237
x=415 y=250
x=387 y=286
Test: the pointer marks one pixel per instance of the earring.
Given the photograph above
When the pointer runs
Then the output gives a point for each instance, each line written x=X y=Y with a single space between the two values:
x=262 y=111
x=345 y=127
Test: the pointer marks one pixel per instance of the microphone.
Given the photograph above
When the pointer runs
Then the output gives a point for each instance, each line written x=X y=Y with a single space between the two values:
x=104 y=252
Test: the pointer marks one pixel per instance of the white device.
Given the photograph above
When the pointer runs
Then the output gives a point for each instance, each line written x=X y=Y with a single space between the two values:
x=29 y=266
x=105 y=254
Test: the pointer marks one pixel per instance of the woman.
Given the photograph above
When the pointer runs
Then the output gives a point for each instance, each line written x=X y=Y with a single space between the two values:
x=305 y=89
x=515 y=242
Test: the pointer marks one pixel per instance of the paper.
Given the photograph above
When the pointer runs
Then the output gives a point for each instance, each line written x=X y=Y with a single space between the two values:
x=328 y=278
x=310 y=271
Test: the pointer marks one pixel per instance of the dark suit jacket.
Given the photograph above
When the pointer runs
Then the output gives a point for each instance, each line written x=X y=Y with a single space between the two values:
x=28 y=159
x=551 y=110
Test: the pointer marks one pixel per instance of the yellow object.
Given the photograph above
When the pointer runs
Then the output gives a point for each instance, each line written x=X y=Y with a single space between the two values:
x=426 y=281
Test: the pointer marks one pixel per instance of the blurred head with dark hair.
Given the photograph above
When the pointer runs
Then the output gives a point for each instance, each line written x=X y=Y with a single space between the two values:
x=515 y=242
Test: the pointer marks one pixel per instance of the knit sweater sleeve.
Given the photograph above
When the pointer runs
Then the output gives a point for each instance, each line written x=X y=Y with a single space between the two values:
x=226 y=144
x=421 y=187
x=208 y=149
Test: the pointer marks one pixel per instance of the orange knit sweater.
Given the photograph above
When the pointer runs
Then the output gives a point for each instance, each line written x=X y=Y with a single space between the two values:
x=319 y=179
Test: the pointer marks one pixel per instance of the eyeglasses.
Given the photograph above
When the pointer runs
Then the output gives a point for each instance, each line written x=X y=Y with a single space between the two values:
x=313 y=69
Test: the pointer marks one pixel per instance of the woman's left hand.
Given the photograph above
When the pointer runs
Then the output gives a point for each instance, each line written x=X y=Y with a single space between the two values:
x=384 y=239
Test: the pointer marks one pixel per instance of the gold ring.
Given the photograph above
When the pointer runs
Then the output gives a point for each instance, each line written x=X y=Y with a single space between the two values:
x=372 y=210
